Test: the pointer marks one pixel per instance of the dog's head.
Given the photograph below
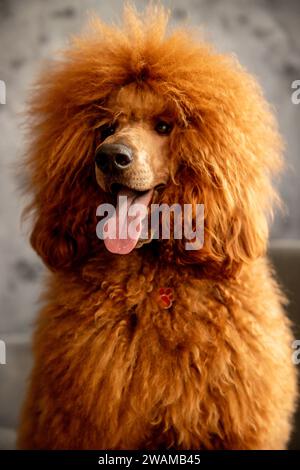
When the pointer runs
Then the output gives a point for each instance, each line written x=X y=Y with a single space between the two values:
x=156 y=118
x=133 y=159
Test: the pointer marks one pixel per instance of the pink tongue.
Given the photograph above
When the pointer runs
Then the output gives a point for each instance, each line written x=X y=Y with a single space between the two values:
x=122 y=231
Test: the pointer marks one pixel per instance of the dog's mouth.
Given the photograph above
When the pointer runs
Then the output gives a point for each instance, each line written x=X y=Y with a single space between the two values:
x=123 y=230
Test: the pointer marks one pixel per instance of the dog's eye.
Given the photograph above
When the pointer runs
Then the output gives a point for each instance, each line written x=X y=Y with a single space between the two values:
x=108 y=130
x=163 y=128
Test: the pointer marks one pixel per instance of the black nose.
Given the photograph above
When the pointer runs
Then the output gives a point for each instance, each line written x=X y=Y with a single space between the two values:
x=111 y=157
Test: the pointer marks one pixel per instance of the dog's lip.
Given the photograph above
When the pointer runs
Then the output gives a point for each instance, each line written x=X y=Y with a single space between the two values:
x=115 y=188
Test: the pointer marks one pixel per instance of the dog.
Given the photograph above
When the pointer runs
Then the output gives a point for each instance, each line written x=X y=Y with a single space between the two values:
x=142 y=343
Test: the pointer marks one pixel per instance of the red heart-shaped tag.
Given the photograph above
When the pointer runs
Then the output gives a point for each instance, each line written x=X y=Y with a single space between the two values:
x=165 y=297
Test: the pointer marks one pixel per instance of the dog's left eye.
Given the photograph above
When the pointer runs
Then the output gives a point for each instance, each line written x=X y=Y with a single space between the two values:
x=108 y=130
x=163 y=128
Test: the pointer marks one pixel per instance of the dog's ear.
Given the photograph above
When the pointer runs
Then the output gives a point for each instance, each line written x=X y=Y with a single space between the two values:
x=63 y=232
x=58 y=248
x=233 y=230
x=230 y=173
x=63 y=213
x=227 y=149
x=64 y=113
x=60 y=177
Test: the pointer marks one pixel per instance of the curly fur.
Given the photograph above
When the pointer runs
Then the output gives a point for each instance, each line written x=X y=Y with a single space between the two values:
x=113 y=369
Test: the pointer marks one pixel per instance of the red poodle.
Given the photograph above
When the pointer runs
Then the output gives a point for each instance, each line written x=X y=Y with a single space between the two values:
x=141 y=342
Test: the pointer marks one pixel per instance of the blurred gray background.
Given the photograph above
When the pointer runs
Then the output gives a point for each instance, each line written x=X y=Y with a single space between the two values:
x=264 y=34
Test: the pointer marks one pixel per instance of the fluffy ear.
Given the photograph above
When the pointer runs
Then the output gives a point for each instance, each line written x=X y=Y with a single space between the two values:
x=58 y=248
x=65 y=111
x=60 y=172
x=235 y=231
x=63 y=232
x=235 y=224
x=226 y=159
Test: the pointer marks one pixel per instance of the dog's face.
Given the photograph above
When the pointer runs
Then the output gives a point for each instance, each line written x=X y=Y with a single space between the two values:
x=133 y=154
x=133 y=149
x=158 y=118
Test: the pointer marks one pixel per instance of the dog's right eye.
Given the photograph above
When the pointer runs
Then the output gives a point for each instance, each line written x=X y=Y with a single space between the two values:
x=108 y=130
x=163 y=128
